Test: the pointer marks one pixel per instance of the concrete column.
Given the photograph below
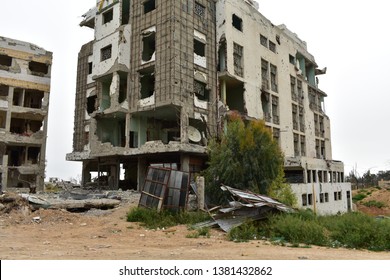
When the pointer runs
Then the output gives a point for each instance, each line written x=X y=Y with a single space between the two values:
x=223 y=91
x=200 y=184
x=184 y=122
x=127 y=130
x=185 y=163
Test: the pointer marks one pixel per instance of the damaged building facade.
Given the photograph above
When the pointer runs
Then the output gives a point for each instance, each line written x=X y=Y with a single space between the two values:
x=24 y=102
x=146 y=90
x=160 y=77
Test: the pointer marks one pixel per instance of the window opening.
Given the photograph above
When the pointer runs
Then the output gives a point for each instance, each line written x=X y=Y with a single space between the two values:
x=149 y=6
x=199 y=10
x=105 y=53
x=149 y=45
x=108 y=16
x=238 y=63
x=272 y=46
x=237 y=22
x=263 y=40
x=5 y=60
x=201 y=91
x=38 y=68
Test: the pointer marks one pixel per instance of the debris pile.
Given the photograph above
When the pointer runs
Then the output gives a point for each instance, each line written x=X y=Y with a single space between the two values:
x=10 y=202
x=244 y=206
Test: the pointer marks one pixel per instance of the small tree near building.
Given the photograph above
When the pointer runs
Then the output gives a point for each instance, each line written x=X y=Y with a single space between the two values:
x=247 y=158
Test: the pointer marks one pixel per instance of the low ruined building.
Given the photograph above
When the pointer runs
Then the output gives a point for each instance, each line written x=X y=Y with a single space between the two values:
x=24 y=99
x=160 y=77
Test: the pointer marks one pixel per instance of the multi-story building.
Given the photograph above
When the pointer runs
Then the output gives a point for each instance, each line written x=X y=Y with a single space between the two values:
x=160 y=76
x=24 y=102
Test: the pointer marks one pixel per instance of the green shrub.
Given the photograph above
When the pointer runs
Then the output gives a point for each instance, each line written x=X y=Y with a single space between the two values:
x=356 y=230
x=199 y=232
x=358 y=197
x=302 y=227
x=245 y=232
x=374 y=203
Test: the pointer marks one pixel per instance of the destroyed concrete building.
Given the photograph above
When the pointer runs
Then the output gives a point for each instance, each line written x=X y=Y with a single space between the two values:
x=160 y=77
x=25 y=73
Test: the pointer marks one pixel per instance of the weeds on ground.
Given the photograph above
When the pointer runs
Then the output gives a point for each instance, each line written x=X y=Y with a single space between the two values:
x=374 y=203
x=358 y=197
x=152 y=219
x=351 y=230
x=204 y=232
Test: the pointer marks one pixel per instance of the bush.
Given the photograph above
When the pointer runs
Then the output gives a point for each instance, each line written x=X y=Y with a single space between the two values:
x=351 y=230
x=374 y=203
x=358 y=197
x=245 y=232
x=298 y=228
x=356 y=230
x=152 y=219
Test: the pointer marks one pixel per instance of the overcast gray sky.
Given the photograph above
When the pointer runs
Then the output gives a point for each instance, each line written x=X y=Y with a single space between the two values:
x=348 y=37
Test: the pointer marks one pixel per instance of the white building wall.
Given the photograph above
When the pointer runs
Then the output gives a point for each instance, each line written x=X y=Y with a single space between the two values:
x=332 y=206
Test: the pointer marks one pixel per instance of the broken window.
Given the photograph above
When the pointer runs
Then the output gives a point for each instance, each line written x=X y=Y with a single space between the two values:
x=125 y=11
x=33 y=98
x=301 y=118
x=90 y=68
x=295 y=116
x=292 y=59
x=133 y=139
x=322 y=199
x=147 y=81
x=5 y=61
x=16 y=155
x=199 y=10
x=293 y=82
x=296 y=145
x=200 y=53
x=111 y=129
x=25 y=127
x=149 y=6
x=275 y=110
x=265 y=103
x=4 y=95
x=326 y=197
x=272 y=46
x=294 y=176
x=105 y=53
x=108 y=16
x=3 y=118
x=323 y=149
x=91 y=104
x=238 y=60
x=303 y=145
x=304 y=199
x=18 y=97
x=38 y=68
x=237 y=22
x=318 y=153
x=274 y=78
x=310 y=199
x=263 y=40
x=264 y=75
x=33 y=155
x=148 y=45
x=201 y=91
x=235 y=97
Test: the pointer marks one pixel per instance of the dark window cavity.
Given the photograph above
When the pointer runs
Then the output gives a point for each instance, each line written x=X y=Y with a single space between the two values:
x=237 y=22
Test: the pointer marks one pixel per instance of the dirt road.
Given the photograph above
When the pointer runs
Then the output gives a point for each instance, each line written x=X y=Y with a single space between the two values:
x=106 y=235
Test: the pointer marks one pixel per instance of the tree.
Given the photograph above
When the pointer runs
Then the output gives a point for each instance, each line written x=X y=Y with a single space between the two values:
x=247 y=158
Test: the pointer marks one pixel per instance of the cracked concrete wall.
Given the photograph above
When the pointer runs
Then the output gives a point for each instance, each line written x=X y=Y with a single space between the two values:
x=24 y=111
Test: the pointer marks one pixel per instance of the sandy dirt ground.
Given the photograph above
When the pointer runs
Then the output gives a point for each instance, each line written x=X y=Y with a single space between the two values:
x=106 y=235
